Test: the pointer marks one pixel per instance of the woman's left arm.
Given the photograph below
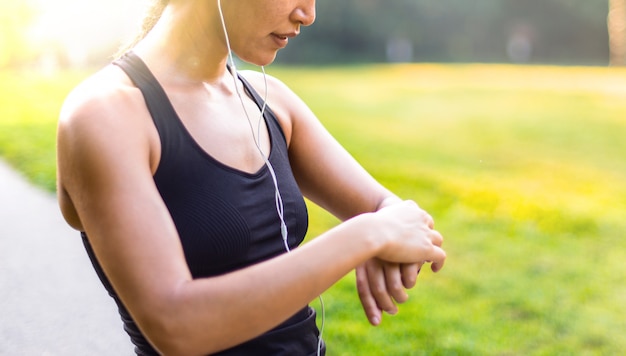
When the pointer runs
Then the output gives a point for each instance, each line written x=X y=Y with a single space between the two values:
x=330 y=177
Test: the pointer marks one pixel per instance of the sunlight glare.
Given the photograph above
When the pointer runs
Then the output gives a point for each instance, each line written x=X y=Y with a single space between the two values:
x=82 y=27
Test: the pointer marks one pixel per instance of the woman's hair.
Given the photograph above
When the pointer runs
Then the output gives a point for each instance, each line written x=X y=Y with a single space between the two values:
x=153 y=14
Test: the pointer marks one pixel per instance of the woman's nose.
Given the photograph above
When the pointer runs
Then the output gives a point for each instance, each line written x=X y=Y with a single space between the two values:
x=304 y=13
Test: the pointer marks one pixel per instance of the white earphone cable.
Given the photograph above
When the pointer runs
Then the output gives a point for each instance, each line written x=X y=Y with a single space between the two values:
x=257 y=138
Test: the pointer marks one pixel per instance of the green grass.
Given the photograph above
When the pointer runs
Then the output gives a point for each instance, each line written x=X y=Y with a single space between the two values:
x=523 y=169
x=29 y=108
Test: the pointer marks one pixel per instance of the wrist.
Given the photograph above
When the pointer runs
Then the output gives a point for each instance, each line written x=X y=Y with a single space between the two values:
x=370 y=232
x=388 y=201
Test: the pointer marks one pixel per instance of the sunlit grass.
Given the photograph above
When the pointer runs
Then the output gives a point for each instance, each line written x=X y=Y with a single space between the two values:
x=523 y=169
x=29 y=108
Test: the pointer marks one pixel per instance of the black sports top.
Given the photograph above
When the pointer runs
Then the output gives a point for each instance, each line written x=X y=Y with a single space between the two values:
x=226 y=218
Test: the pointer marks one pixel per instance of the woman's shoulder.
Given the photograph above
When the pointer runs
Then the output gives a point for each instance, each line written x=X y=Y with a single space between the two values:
x=99 y=118
x=105 y=94
x=104 y=113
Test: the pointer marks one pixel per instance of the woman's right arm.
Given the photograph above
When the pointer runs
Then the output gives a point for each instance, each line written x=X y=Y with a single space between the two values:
x=106 y=160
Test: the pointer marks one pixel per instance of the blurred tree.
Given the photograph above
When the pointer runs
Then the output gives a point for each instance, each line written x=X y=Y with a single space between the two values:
x=534 y=31
x=561 y=31
x=617 y=32
x=15 y=18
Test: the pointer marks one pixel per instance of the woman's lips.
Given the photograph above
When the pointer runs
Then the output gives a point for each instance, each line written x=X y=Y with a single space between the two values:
x=282 y=39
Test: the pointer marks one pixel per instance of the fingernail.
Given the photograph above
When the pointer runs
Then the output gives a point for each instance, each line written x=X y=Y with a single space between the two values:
x=375 y=320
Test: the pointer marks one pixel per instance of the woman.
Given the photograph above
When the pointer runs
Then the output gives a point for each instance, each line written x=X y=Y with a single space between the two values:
x=181 y=191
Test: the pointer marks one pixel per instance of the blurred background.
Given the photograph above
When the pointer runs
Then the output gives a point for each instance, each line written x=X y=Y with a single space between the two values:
x=573 y=32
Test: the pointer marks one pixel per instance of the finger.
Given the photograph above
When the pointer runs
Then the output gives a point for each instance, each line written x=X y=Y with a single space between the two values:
x=439 y=260
x=410 y=272
x=371 y=309
x=430 y=221
x=426 y=218
x=378 y=287
x=394 y=282
x=435 y=237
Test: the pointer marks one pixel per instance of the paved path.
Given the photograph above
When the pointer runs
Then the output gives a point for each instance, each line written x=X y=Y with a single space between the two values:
x=51 y=301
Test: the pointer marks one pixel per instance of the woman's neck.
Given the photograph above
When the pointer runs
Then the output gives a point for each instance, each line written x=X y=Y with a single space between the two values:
x=185 y=45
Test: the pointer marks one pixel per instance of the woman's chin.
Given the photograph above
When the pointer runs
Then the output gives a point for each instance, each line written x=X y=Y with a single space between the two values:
x=260 y=61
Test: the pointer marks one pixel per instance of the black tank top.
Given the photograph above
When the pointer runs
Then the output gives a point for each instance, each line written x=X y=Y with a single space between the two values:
x=226 y=218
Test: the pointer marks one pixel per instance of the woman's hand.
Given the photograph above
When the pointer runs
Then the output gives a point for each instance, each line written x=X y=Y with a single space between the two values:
x=382 y=284
x=409 y=236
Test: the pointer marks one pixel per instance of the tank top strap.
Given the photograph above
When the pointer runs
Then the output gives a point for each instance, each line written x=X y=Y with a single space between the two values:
x=156 y=99
x=269 y=116
x=250 y=90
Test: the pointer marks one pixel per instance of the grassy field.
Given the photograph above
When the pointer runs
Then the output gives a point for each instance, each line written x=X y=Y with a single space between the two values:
x=523 y=168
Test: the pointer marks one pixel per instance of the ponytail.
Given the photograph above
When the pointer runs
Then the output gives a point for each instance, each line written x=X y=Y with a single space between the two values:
x=152 y=16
